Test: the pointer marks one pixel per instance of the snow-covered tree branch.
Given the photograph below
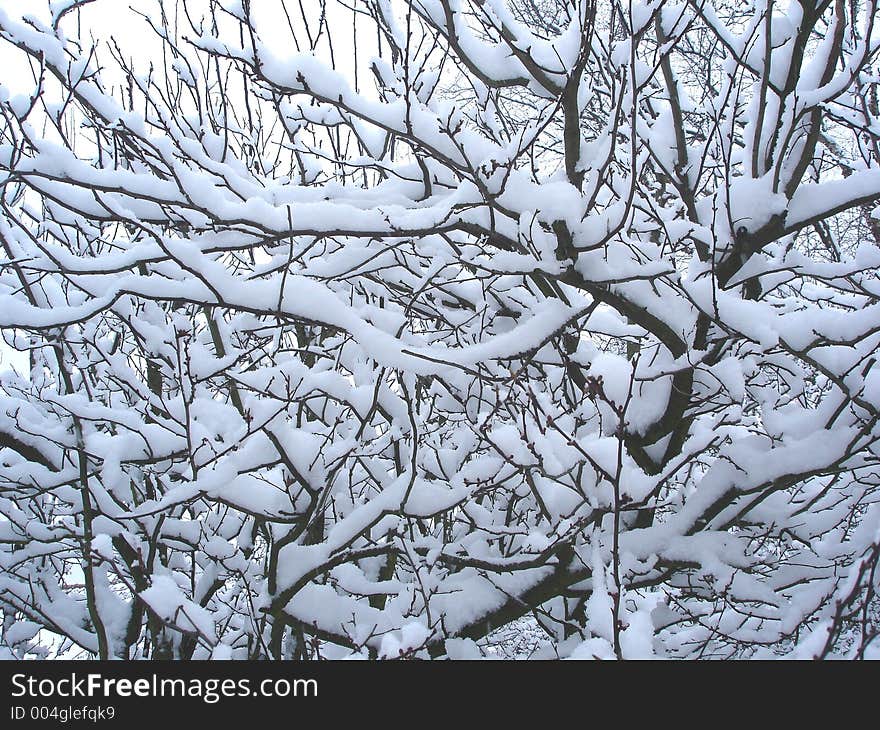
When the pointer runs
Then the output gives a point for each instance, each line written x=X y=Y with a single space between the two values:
x=378 y=327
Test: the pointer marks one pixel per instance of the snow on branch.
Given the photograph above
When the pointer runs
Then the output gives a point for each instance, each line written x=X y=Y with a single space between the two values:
x=384 y=328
